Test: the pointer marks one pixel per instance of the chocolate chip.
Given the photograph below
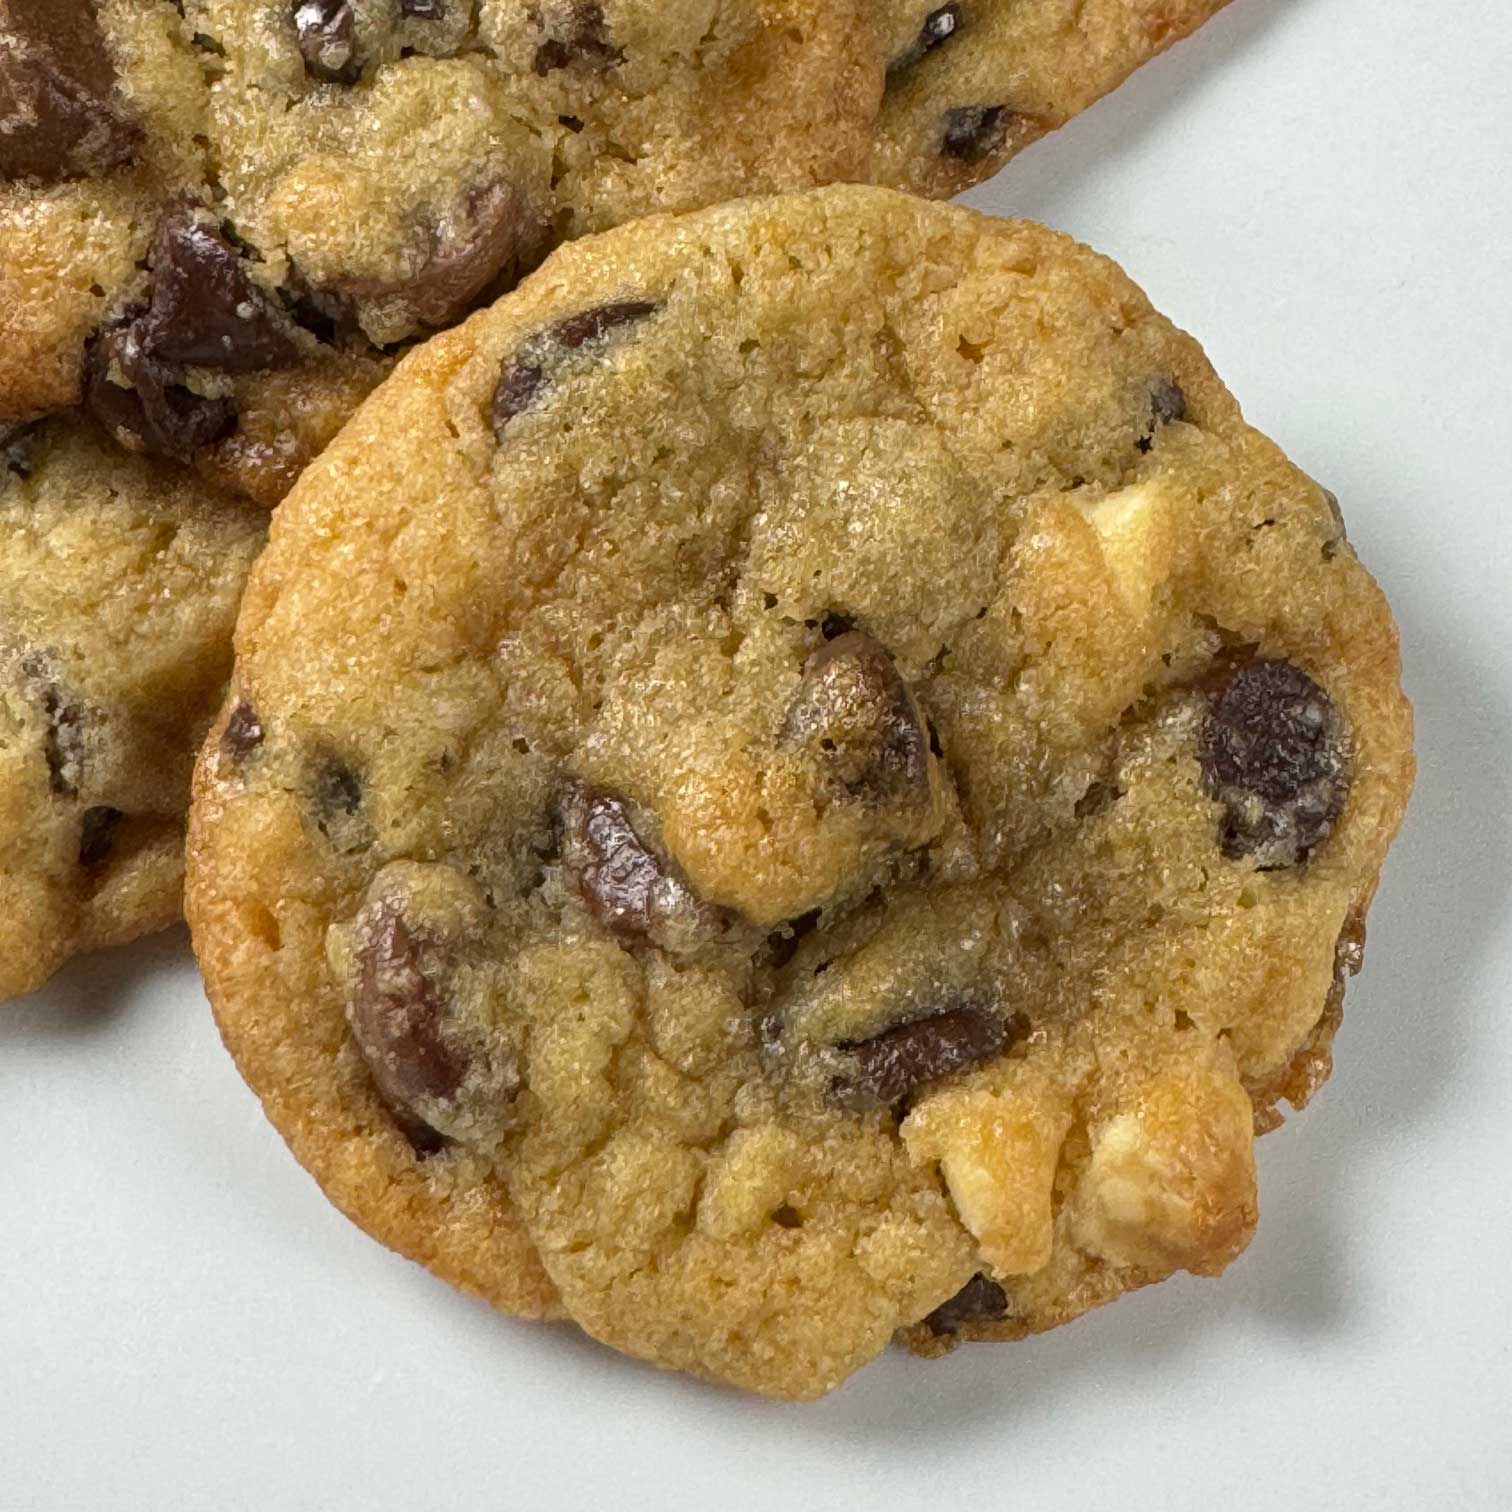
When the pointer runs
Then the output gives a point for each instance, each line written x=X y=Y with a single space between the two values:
x=59 y=118
x=202 y=309
x=63 y=739
x=939 y=26
x=327 y=34
x=154 y=414
x=97 y=834
x=520 y=381
x=396 y=1014
x=1274 y=752
x=1167 y=403
x=243 y=733
x=593 y=325
x=628 y=887
x=522 y=378
x=981 y=1300
x=855 y=716
x=489 y=245
x=577 y=36
x=974 y=132
x=885 y=1069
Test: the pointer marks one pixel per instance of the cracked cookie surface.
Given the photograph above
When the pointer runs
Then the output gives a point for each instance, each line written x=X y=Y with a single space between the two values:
x=972 y=82
x=315 y=184
x=119 y=582
x=802 y=779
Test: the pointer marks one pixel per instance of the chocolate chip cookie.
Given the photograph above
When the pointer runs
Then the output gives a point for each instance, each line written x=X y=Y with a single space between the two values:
x=119 y=581
x=802 y=778
x=971 y=82
x=220 y=219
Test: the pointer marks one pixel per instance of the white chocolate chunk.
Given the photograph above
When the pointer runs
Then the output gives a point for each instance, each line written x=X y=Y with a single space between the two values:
x=997 y=1151
x=1171 y=1182
x=1136 y=528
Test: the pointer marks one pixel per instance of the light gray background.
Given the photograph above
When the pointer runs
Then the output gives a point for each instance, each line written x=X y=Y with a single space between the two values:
x=1319 y=189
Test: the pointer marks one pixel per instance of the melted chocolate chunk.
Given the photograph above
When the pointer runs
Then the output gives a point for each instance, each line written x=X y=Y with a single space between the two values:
x=593 y=325
x=485 y=249
x=327 y=34
x=154 y=414
x=521 y=382
x=577 y=36
x=203 y=309
x=888 y=1067
x=1274 y=752
x=97 y=834
x=63 y=745
x=59 y=118
x=243 y=733
x=523 y=378
x=855 y=715
x=628 y=887
x=396 y=1016
x=974 y=132
x=939 y=26
x=981 y=1300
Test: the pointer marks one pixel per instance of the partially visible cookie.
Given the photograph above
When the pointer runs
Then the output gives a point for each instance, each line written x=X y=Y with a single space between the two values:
x=220 y=218
x=971 y=82
x=103 y=115
x=119 y=582
x=804 y=777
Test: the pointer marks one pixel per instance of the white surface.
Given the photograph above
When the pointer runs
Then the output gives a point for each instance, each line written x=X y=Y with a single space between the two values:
x=1319 y=189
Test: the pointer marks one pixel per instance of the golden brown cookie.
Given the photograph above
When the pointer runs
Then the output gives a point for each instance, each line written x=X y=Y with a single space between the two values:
x=808 y=766
x=219 y=219
x=119 y=582
x=972 y=82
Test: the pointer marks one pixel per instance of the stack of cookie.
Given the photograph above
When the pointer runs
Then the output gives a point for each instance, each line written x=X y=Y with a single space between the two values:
x=800 y=777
